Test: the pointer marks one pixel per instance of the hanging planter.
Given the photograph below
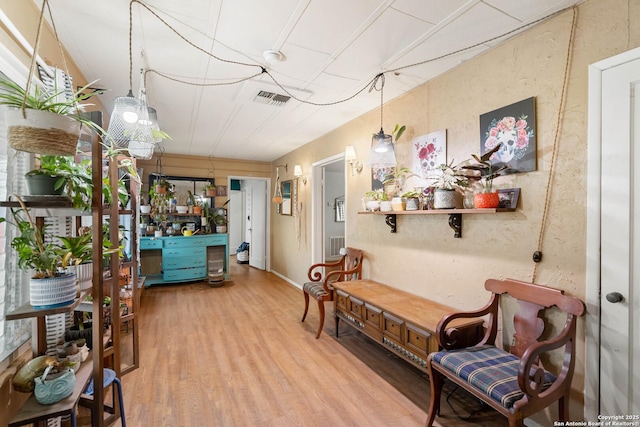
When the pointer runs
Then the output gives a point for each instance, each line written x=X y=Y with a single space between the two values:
x=43 y=132
x=43 y=121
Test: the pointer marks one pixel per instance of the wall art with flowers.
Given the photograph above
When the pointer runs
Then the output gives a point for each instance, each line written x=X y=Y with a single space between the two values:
x=512 y=126
x=429 y=151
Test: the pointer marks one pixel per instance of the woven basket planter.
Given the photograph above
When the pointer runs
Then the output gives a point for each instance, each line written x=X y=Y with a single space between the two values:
x=42 y=132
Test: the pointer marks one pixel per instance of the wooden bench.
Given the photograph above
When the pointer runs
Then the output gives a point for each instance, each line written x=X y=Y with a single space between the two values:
x=400 y=321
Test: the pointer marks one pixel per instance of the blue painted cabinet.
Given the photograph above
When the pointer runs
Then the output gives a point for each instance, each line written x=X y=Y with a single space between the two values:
x=173 y=259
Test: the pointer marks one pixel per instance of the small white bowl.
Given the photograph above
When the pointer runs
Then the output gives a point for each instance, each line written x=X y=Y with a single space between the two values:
x=145 y=209
x=182 y=209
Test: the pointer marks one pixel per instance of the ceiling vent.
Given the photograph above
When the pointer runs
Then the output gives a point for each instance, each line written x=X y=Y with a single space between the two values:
x=270 y=98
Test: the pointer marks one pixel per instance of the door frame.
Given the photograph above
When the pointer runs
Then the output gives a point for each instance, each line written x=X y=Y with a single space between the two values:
x=317 y=205
x=268 y=213
x=593 y=237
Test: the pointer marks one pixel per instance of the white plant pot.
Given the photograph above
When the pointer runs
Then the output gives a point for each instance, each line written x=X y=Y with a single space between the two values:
x=385 y=206
x=52 y=291
x=84 y=275
x=446 y=199
x=398 y=204
x=373 y=205
x=145 y=209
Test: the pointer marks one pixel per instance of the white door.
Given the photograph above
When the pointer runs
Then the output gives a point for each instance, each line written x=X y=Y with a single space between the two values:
x=620 y=241
x=256 y=222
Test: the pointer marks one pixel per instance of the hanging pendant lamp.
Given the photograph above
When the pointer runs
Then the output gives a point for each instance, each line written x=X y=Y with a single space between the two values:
x=142 y=144
x=123 y=119
x=382 y=154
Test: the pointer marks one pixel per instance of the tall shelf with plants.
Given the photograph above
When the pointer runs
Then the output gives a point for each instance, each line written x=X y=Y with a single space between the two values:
x=114 y=331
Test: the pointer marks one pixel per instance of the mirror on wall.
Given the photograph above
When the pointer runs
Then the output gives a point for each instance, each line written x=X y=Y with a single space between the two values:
x=182 y=185
x=285 y=188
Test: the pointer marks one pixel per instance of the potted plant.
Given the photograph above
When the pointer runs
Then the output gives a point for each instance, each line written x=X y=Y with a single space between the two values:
x=44 y=122
x=49 y=286
x=163 y=187
x=374 y=199
x=486 y=198
x=62 y=174
x=77 y=253
x=209 y=190
x=195 y=203
x=395 y=180
x=412 y=200
x=449 y=181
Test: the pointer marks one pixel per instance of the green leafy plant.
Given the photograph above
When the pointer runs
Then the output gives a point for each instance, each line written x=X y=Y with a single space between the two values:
x=411 y=194
x=209 y=186
x=14 y=96
x=487 y=171
x=395 y=180
x=31 y=247
x=377 y=194
x=74 y=177
x=448 y=176
x=398 y=131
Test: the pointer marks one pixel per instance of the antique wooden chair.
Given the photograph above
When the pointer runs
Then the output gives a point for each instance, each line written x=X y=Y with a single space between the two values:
x=514 y=383
x=349 y=267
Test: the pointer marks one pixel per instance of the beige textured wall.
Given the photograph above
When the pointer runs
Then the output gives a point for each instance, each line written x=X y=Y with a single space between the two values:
x=423 y=257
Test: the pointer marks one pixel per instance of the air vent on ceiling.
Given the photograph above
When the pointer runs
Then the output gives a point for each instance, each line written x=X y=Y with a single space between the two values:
x=270 y=98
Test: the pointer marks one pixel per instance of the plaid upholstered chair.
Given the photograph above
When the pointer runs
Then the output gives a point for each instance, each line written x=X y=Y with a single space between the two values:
x=349 y=267
x=513 y=382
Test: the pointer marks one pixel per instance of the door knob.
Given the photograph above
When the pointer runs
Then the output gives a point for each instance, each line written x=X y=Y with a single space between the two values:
x=614 y=297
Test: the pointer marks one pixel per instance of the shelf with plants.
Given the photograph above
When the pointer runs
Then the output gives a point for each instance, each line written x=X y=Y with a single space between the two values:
x=455 y=216
x=29 y=217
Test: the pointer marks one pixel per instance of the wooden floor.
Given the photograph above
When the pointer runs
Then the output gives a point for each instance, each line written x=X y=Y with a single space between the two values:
x=238 y=355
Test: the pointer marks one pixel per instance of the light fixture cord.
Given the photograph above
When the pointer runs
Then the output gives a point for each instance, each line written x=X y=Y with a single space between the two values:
x=374 y=85
x=556 y=138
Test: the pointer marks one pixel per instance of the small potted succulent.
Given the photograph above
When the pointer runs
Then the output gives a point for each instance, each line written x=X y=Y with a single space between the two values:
x=449 y=181
x=374 y=198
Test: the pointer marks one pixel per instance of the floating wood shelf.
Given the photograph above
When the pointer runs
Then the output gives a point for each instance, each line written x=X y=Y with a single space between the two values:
x=455 y=216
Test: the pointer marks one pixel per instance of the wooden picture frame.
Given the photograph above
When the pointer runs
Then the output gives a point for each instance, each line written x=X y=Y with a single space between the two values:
x=509 y=198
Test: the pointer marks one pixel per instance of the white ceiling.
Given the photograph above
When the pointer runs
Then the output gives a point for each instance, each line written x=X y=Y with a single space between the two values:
x=333 y=49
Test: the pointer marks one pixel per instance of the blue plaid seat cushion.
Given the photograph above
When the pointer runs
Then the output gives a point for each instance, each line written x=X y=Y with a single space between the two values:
x=488 y=369
x=315 y=289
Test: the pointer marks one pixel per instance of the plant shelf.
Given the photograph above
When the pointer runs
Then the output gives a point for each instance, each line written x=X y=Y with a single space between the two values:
x=455 y=216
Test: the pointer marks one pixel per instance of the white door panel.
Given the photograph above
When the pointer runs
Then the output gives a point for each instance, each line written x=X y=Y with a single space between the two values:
x=620 y=241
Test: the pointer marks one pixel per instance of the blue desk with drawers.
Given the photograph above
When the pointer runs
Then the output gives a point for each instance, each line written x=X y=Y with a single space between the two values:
x=174 y=259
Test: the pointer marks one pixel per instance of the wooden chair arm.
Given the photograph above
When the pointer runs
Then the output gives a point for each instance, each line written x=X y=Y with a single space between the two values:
x=327 y=282
x=448 y=337
x=531 y=376
x=317 y=276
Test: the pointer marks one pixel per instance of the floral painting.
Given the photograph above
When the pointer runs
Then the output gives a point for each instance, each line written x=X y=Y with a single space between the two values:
x=513 y=127
x=429 y=151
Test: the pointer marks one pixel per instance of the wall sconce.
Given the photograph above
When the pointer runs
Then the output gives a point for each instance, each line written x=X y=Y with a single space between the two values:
x=297 y=172
x=350 y=156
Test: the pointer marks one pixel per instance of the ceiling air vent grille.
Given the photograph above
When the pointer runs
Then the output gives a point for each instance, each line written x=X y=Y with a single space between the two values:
x=270 y=98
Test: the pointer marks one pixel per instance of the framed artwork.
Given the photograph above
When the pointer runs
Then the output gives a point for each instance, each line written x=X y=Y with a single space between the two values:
x=221 y=191
x=339 y=207
x=378 y=175
x=429 y=151
x=513 y=127
x=508 y=198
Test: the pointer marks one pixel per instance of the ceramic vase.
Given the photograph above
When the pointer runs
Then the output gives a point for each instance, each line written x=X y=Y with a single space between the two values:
x=486 y=200
x=445 y=198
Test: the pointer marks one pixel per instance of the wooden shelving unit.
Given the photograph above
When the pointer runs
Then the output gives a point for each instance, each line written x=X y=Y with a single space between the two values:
x=106 y=346
x=455 y=216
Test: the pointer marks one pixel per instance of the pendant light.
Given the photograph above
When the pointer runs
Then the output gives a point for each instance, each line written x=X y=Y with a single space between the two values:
x=382 y=153
x=142 y=144
x=123 y=119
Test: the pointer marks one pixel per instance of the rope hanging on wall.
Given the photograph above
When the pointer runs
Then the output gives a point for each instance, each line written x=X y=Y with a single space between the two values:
x=537 y=256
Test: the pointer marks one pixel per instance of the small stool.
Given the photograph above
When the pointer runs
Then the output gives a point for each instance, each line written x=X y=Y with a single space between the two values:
x=109 y=376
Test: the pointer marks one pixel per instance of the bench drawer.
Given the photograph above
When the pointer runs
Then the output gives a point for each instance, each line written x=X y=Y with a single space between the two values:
x=392 y=327
x=373 y=317
x=418 y=340
x=146 y=244
x=185 y=274
x=184 y=242
x=342 y=299
x=356 y=307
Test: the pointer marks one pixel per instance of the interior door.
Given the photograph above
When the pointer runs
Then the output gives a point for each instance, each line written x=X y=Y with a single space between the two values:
x=256 y=222
x=620 y=241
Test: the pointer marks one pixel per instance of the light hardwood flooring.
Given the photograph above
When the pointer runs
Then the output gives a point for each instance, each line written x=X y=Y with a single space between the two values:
x=238 y=355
